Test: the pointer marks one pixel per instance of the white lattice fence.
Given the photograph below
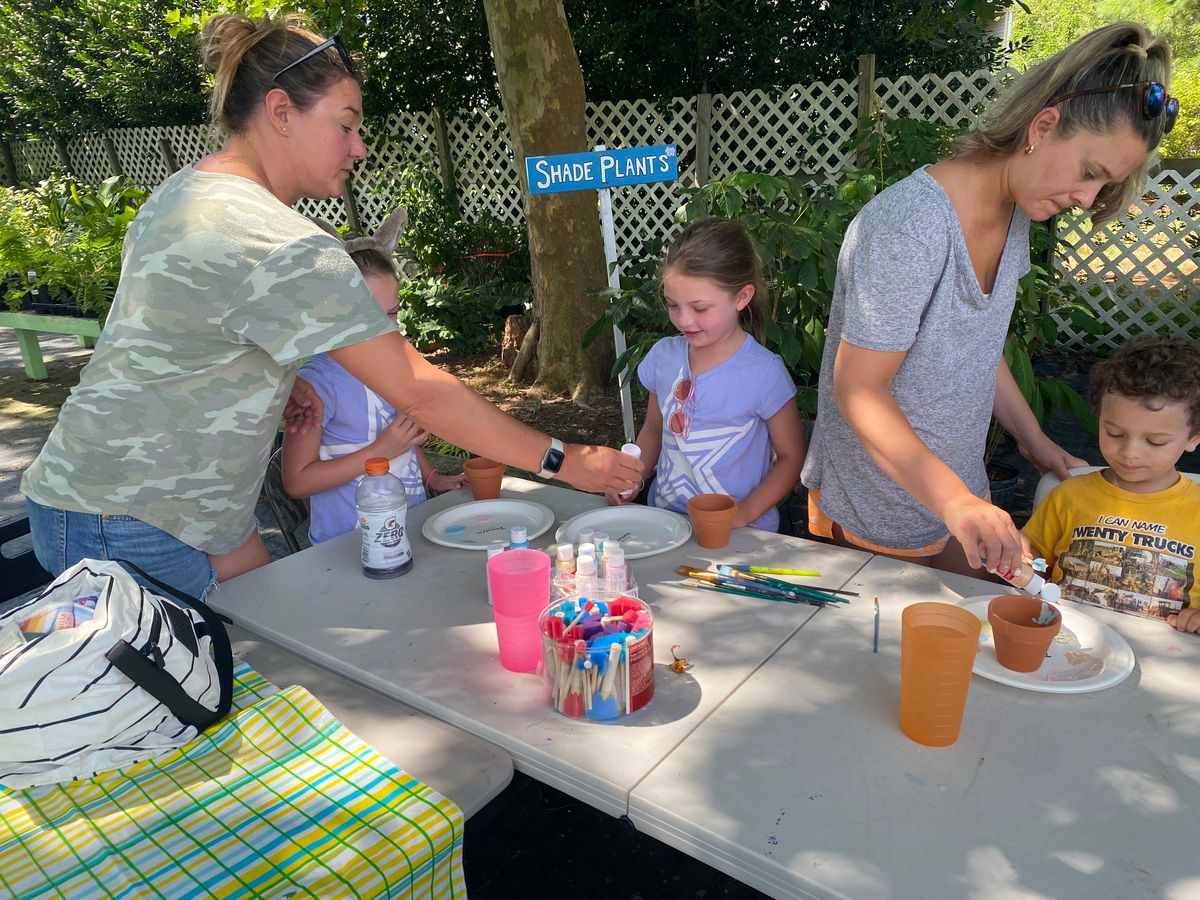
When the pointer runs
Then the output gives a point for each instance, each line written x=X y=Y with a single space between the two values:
x=957 y=99
x=800 y=131
x=36 y=159
x=1140 y=272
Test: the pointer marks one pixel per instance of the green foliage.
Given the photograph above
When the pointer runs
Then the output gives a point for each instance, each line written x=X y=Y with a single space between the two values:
x=1046 y=26
x=70 y=235
x=436 y=311
x=743 y=44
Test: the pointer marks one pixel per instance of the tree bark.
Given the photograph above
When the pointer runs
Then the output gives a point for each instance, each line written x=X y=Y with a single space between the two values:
x=541 y=87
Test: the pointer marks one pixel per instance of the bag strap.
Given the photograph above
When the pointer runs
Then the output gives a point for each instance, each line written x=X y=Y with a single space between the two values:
x=159 y=684
x=222 y=656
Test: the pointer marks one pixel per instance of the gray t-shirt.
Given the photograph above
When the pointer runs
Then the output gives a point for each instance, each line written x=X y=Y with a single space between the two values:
x=905 y=283
x=223 y=291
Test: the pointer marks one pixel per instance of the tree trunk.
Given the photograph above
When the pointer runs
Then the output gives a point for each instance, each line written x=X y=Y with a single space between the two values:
x=541 y=87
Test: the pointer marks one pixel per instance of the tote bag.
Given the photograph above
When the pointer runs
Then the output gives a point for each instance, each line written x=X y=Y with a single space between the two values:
x=97 y=672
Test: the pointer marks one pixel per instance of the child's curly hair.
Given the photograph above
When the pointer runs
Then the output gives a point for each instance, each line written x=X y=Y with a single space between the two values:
x=1149 y=368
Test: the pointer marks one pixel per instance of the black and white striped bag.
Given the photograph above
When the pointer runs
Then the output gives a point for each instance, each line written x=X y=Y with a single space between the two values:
x=126 y=676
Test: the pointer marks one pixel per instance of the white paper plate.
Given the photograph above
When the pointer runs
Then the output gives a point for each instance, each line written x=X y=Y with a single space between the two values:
x=642 y=530
x=474 y=525
x=1086 y=656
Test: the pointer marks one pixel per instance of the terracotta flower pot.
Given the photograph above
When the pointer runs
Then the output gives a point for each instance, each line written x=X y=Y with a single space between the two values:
x=484 y=476
x=1021 y=644
x=712 y=519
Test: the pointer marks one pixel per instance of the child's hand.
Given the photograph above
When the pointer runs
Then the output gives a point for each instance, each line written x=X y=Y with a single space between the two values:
x=1187 y=620
x=442 y=483
x=740 y=518
x=304 y=409
x=397 y=436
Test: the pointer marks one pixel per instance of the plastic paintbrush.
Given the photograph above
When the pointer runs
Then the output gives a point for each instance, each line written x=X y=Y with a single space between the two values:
x=771 y=570
x=806 y=590
x=733 y=586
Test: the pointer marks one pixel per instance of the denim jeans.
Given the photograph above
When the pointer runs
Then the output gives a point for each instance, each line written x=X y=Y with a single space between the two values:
x=62 y=538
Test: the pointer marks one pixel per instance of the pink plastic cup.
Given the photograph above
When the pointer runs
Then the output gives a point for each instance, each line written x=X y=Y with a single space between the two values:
x=520 y=583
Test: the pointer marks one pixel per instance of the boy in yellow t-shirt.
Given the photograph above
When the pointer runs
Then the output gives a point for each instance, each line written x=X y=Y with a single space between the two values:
x=1126 y=537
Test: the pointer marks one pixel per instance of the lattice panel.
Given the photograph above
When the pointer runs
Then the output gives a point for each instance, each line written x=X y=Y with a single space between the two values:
x=802 y=130
x=956 y=99
x=36 y=159
x=1140 y=272
x=402 y=139
x=484 y=167
x=89 y=162
x=646 y=211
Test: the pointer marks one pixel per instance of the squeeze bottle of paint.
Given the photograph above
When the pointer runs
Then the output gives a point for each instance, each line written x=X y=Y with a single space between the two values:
x=616 y=571
x=636 y=452
x=381 y=503
x=1033 y=583
x=518 y=539
x=585 y=537
x=564 y=570
x=495 y=548
x=601 y=538
x=585 y=577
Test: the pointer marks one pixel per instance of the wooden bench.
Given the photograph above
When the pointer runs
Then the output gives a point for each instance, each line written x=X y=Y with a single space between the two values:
x=27 y=325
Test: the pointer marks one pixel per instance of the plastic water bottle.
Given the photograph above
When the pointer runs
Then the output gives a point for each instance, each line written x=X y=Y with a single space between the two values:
x=382 y=505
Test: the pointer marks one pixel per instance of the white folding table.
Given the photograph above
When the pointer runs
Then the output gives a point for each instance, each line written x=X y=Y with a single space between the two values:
x=428 y=639
x=802 y=785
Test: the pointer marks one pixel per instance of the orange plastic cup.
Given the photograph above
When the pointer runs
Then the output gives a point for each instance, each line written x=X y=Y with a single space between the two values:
x=938 y=643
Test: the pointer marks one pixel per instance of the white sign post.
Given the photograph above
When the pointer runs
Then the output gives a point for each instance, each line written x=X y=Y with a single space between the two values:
x=601 y=171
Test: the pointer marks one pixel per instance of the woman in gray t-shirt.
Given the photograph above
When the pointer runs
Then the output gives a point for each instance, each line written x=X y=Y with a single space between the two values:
x=926 y=282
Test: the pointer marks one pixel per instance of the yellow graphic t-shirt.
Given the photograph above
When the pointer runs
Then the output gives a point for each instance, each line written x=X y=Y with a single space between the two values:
x=1135 y=553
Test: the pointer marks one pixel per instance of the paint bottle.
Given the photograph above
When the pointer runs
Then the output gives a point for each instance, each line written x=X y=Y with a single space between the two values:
x=600 y=539
x=495 y=548
x=564 y=570
x=585 y=576
x=1033 y=583
x=586 y=535
x=517 y=538
x=587 y=549
x=616 y=571
x=636 y=452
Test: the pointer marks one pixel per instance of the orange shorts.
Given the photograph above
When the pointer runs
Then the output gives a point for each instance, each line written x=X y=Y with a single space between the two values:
x=823 y=526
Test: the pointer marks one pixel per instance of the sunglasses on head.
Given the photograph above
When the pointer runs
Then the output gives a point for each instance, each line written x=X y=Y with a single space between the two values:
x=1155 y=101
x=336 y=43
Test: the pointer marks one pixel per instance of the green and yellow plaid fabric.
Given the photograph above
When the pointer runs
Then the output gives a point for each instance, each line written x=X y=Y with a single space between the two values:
x=278 y=800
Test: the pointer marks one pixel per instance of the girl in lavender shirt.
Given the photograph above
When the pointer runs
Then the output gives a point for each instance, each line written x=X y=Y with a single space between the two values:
x=326 y=465
x=719 y=402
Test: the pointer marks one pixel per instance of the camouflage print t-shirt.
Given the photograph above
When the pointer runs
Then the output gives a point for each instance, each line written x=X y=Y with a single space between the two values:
x=223 y=291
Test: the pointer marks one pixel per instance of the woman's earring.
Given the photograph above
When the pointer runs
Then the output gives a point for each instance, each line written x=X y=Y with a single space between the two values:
x=1028 y=148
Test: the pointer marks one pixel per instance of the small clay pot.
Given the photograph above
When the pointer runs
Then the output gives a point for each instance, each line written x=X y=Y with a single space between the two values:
x=484 y=476
x=1021 y=644
x=712 y=519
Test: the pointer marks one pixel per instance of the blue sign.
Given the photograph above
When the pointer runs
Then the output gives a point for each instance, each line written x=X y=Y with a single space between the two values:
x=600 y=169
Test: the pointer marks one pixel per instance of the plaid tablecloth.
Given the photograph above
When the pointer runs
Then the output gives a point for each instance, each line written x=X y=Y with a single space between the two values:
x=278 y=800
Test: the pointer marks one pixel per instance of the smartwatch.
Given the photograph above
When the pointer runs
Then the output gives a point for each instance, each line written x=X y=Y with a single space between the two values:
x=553 y=459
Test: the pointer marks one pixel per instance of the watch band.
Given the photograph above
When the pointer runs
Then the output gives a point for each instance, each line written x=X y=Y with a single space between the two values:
x=553 y=459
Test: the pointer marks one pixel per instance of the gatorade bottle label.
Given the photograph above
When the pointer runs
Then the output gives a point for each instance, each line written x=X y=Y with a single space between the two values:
x=385 y=542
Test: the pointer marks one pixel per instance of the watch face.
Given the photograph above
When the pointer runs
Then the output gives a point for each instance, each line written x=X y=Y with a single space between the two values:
x=553 y=459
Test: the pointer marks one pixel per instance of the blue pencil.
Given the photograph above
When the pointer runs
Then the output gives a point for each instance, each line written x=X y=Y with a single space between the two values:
x=875 y=648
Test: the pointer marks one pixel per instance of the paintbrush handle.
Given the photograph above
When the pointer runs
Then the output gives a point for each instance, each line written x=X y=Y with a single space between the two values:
x=771 y=570
x=746 y=591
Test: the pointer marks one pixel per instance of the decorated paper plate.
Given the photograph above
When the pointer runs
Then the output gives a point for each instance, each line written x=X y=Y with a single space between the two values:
x=642 y=530
x=472 y=526
x=1086 y=656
